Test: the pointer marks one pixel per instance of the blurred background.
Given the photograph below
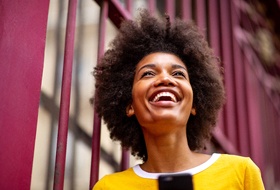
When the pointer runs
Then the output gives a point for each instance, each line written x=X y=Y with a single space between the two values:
x=245 y=34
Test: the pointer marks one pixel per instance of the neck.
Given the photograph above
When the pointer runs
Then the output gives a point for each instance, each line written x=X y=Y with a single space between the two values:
x=168 y=153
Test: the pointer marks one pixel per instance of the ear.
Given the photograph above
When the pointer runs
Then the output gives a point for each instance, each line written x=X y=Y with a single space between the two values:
x=193 y=111
x=129 y=110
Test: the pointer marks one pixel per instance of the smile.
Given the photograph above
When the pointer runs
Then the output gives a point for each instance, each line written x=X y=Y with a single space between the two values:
x=164 y=96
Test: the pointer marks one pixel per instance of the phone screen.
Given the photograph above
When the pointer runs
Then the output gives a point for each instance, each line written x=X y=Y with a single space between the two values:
x=175 y=182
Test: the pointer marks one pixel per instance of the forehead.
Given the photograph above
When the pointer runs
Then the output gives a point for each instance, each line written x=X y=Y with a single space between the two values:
x=160 y=58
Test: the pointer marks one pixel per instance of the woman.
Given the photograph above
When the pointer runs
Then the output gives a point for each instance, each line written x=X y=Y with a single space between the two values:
x=159 y=90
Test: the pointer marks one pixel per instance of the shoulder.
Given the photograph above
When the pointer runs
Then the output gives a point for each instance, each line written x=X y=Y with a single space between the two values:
x=234 y=157
x=117 y=175
x=251 y=173
x=231 y=171
x=244 y=166
x=235 y=160
x=233 y=165
x=114 y=180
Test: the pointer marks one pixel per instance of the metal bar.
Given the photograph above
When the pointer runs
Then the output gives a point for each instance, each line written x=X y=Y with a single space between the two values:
x=128 y=6
x=240 y=88
x=124 y=160
x=201 y=14
x=94 y=174
x=214 y=36
x=65 y=97
x=170 y=9
x=214 y=26
x=97 y=121
x=186 y=9
x=116 y=11
x=230 y=107
x=152 y=6
x=125 y=154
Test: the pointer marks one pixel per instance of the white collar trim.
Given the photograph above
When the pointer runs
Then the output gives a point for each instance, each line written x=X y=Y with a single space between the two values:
x=141 y=173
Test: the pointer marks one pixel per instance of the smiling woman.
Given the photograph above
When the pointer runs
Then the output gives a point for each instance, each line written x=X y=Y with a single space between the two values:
x=159 y=90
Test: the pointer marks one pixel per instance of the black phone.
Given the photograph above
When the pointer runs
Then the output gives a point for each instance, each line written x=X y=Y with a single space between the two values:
x=175 y=182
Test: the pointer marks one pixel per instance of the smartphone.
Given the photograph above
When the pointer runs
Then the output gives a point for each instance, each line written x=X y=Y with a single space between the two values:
x=175 y=182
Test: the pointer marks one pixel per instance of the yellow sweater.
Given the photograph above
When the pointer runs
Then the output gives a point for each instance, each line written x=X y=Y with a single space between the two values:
x=220 y=172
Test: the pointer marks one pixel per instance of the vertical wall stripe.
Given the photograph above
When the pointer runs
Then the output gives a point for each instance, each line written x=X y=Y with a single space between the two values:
x=22 y=46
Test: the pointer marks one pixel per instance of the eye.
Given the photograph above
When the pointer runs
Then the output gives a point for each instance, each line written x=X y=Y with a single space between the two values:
x=179 y=74
x=147 y=74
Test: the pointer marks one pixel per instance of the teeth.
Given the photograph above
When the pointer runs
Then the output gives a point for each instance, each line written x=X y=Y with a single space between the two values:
x=172 y=96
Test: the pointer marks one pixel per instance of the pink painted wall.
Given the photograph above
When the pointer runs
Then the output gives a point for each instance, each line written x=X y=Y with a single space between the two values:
x=22 y=44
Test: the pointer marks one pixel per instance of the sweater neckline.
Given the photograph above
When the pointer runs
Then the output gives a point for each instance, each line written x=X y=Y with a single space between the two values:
x=141 y=173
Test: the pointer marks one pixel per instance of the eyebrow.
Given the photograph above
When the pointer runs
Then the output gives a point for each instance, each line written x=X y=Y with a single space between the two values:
x=153 y=65
x=176 y=66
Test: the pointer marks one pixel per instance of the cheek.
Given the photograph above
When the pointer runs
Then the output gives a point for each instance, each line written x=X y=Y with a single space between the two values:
x=138 y=105
x=189 y=91
x=138 y=92
x=141 y=113
x=137 y=99
x=140 y=108
x=189 y=99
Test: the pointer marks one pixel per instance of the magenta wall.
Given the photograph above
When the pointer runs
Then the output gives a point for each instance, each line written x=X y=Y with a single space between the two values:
x=22 y=44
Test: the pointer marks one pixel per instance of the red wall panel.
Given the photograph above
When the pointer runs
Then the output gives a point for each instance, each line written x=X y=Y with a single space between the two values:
x=22 y=44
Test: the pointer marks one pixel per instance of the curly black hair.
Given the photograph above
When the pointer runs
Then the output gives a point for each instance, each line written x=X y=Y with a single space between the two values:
x=115 y=74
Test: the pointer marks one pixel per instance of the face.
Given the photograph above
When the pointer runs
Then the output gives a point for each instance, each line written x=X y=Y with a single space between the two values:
x=162 y=94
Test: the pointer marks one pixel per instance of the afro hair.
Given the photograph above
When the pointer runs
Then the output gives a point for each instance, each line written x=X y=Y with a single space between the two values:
x=115 y=74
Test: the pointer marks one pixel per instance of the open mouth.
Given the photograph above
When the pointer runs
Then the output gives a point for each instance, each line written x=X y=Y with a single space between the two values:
x=164 y=96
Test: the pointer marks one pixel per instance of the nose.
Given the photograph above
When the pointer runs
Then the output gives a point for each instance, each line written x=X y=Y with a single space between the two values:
x=164 y=80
